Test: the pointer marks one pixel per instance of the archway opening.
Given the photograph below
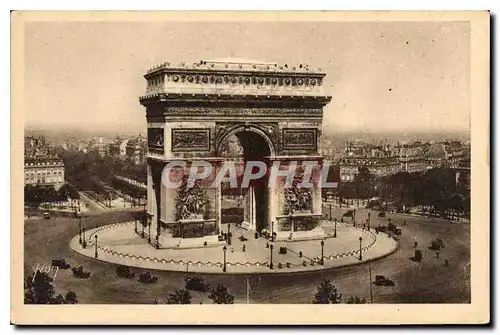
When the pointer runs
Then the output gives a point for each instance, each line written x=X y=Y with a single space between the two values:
x=246 y=205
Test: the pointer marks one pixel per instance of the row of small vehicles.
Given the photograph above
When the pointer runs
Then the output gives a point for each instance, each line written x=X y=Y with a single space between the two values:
x=78 y=272
x=192 y=283
x=390 y=228
x=124 y=271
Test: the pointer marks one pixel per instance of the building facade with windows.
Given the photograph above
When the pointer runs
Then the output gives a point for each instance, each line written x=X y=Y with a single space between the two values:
x=44 y=171
x=412 y=156
x=136 y=150
x=378 y=159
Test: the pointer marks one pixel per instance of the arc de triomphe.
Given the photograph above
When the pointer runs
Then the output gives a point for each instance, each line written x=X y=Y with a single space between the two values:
x=275 y=111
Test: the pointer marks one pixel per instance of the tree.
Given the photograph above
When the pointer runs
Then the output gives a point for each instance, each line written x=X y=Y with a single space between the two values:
x=457 y=204
x=327 y=293
x=356 y=300
x=438 y=186
x=38 y=289
x=346 y=191
x=179 y=297
x=219 y=295
x=364 y=183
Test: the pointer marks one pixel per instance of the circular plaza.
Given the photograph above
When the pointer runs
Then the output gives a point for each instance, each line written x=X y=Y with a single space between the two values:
x=343 y=245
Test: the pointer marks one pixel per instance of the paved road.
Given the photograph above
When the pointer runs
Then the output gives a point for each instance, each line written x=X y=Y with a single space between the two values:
x=426 y=282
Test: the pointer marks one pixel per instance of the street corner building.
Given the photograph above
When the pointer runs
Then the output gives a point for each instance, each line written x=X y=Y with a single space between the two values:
x=274 y=110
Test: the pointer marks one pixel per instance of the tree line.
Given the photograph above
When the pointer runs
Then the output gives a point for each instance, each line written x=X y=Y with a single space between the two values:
x=436 y=191
x=34 y=195
x=95 y=174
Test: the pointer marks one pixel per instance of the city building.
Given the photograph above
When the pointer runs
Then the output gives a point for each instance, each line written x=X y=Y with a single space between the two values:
x=436 y=156
x=379 y=159
x=136 y=149
x=412 y=156
x=44 y=171
x=36 y=146
x=41 y=165
x=455 y=153
x=133 y=149
x=118 y=148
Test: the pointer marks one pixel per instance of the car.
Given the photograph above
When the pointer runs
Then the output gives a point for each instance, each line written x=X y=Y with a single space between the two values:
x=60 y=263
x=381 y=215
x=381 y=228
x=437 y=244
x=124 y=272
x=79 y=273
x=382 y=281
x=147 y=278
x=440 y=242
x=46 y=215
x=197 y=284
x=397 y=231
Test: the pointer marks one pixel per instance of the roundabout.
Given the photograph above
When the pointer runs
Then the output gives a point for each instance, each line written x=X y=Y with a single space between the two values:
x=119 y=243
x=50 y=239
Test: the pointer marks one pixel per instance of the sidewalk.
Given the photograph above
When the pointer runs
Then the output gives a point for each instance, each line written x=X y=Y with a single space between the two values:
x=146 y=256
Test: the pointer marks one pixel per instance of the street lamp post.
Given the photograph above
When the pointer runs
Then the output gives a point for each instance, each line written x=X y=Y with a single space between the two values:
x=360 y=249
x=322 y=255
x=272 y=231
x=229 y=234
x=335 y=228
x=80 y=230
x=224 y=266
x=135 y=224
x=271 y=266
x=95 y=236
x=369 y=219
x=330 y=212
x=143 y=224
x=149 y=231
x=354 y=217
x=84 y=243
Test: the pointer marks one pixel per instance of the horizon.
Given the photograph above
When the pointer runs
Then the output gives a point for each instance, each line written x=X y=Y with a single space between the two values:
x=338 y=135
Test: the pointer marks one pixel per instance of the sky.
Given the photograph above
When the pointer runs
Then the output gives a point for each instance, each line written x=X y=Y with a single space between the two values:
x=382 y=76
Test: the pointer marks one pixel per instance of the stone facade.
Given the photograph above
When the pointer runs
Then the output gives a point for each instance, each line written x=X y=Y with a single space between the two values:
x=275 y=112
x=45 y=171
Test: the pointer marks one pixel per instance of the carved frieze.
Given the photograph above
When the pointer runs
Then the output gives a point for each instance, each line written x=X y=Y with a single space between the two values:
x=192 y=139
x=269 y=128
x=300 y=139
x=156 y=139
x=207 y=111
x=190 y=203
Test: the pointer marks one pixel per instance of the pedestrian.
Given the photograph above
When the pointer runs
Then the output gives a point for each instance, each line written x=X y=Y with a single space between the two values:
x=267 y=245
x=415 y=244
x=300 y=253
x=437 y=254
x=244 y=247
x=446 y=262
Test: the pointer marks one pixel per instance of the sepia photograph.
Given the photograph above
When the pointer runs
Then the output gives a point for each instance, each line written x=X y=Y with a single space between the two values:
x=276 y=162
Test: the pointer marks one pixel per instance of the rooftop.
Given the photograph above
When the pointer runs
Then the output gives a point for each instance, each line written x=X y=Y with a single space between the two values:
x=236 y=64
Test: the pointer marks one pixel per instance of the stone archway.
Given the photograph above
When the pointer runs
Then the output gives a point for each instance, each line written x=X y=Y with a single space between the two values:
x=257 y=146
x=275 y=111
